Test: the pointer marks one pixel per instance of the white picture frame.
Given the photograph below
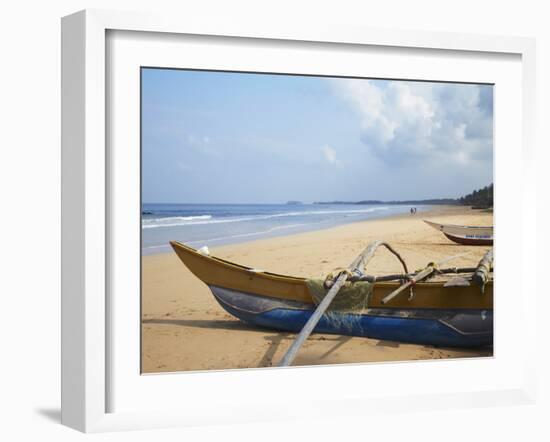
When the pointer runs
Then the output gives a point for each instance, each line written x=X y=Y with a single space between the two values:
x=86 y=209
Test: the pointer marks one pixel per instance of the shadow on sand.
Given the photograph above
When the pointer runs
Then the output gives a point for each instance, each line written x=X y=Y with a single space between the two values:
x=274 y=339
x=218 y=324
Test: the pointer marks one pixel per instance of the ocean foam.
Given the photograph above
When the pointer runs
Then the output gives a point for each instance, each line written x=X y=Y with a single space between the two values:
x=176 y=221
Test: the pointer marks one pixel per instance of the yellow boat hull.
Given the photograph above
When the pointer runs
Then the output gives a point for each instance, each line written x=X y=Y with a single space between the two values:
x=427 y=295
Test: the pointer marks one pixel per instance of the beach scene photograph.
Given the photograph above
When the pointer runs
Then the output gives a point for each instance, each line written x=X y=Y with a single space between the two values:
x=301 y=220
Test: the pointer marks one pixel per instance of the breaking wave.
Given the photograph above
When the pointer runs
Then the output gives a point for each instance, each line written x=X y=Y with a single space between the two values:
x=176 y=221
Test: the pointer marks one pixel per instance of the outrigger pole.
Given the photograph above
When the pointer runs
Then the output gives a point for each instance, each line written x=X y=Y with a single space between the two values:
x=481 y=275
x=356 y=267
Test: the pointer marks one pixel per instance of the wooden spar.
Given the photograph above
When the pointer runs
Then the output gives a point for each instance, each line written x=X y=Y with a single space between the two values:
x=358 y=263
x=481 y=275
x=418 y=277
x=402 y=276
x=457 y=281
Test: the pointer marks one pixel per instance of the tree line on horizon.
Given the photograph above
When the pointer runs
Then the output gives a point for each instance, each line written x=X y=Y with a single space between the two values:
x=482 y=198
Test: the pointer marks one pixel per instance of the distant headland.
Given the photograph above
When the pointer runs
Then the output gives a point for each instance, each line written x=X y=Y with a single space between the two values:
x=443 y=201
x=481 y=198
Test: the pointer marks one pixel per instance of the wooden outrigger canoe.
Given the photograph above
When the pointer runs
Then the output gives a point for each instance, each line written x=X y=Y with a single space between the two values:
x=437 y=314
x=466 y=235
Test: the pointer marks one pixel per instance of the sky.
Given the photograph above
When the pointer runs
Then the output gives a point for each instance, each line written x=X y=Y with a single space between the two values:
x=220 y=137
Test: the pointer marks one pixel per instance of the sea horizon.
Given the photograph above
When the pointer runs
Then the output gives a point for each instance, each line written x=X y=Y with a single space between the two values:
x=217 y=224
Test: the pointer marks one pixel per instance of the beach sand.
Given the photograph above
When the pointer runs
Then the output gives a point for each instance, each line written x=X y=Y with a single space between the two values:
x=184 y=328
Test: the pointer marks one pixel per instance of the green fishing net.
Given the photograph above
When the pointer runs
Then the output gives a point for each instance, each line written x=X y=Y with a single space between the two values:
x=351 y=297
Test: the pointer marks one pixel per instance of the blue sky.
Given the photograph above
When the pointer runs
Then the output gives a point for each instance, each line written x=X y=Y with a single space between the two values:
x=217 y=137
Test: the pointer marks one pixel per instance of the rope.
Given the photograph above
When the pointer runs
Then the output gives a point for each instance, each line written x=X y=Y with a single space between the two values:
x=335 y=274
x=331 y=278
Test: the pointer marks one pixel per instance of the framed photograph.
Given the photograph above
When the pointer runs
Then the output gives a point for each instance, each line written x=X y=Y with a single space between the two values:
x=250 y=213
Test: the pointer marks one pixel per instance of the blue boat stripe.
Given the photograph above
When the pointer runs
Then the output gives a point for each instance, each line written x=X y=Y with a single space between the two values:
x=416 y=330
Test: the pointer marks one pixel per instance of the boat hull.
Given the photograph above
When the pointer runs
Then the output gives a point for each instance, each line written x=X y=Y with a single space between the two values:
x=465 y=235
x=437 y=314
x=444 y=328
x=469 y=241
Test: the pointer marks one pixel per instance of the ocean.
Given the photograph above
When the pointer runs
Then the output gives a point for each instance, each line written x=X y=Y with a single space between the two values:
x=198 y=225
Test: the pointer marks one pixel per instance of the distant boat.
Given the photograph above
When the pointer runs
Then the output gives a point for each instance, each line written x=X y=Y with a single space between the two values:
x=294 y=203
x=439 y=313
x=466 y=235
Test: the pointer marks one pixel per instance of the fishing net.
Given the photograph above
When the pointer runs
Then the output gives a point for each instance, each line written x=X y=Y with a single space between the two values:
x=352 y=298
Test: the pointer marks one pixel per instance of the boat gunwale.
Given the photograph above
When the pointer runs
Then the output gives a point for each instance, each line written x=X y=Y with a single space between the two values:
x=441 y=225
x=288 y=278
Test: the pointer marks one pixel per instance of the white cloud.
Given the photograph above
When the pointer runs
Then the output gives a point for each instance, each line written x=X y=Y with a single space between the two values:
x=330 y=155
x=406 y=121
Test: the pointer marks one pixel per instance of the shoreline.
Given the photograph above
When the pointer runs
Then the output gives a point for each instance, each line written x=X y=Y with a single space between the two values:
x=443 y=210
x=184 y=328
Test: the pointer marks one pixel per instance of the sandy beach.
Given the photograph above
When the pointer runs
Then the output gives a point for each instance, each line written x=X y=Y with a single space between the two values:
x=184 y=328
